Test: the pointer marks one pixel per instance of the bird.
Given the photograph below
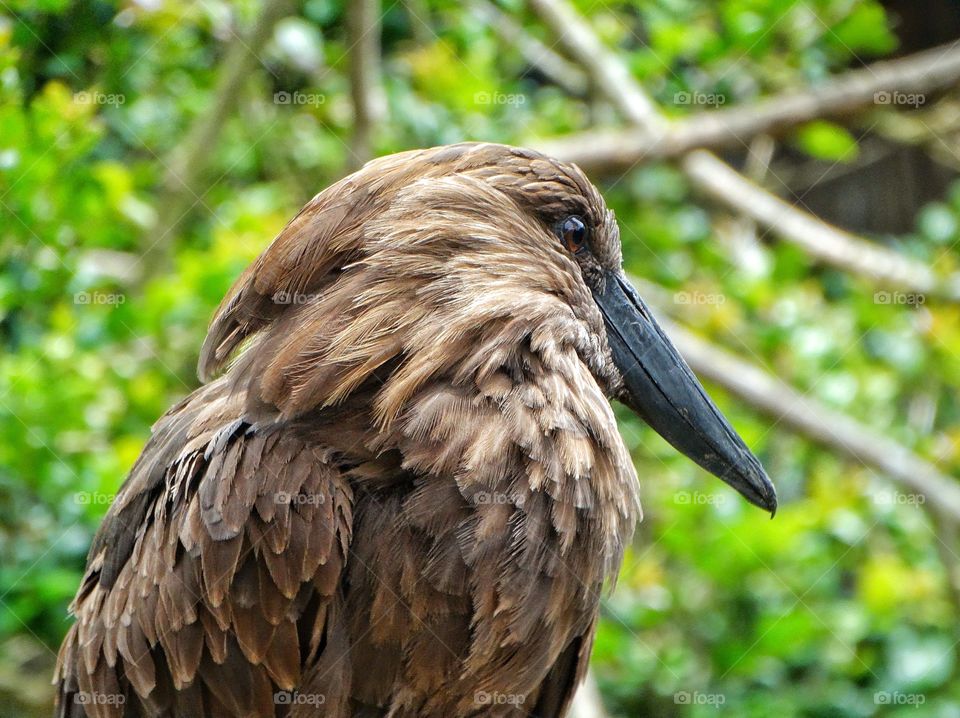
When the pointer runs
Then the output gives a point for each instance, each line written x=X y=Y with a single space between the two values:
x=400 y=489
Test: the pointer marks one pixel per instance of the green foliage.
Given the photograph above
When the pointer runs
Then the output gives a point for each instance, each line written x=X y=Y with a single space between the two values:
x=827 y=141
x=842 y=597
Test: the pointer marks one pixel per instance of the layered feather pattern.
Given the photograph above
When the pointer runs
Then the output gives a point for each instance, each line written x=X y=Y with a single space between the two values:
x=401 y=490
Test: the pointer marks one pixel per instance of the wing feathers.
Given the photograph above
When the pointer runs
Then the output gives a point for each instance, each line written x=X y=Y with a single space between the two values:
x=217 y=577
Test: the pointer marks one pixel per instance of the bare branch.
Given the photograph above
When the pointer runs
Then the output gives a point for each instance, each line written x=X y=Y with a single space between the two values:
x=561 y=71
x=180 y=186
x=708 y=173
x=609 y=74
x=947 y=534
x=366 y=84
x=881 y=83
x=817 y=238
x=807 y=416
x=418 y=13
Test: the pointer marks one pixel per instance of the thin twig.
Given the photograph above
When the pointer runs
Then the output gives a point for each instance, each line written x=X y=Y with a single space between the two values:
x=557 y=68
x=946 y=539
x=366 y=84
x=180 y=187
x=418 y=14
x=610 y=75
x=816 y=237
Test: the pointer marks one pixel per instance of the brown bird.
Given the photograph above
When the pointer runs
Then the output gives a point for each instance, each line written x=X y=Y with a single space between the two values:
x=405 y=491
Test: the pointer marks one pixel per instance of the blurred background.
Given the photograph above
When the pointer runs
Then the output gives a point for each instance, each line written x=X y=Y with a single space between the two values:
x=149 y=150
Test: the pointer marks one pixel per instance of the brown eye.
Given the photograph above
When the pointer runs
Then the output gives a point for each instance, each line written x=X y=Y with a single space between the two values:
x=573 y=232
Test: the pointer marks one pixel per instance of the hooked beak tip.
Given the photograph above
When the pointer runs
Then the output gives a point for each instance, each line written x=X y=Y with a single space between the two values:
x=770 y=504
x=752 y=482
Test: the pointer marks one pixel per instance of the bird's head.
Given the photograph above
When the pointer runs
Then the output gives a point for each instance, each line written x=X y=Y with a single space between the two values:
x=440 y=263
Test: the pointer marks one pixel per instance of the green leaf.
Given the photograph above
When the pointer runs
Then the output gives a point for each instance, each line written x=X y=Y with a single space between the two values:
x=827 y=141
x=865 y=30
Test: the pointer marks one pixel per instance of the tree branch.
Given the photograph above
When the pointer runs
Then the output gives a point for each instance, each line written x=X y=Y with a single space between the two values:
x=882 y=83
x=817 y=238
x=708 y=173
x=557 y=68
x=366 y=85
x=608 y=73
x=180 y=186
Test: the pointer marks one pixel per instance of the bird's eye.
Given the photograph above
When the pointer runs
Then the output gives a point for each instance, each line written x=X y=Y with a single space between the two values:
x=573 y=232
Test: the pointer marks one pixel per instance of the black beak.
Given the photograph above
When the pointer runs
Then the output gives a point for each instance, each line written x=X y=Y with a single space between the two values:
x=660 y=387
